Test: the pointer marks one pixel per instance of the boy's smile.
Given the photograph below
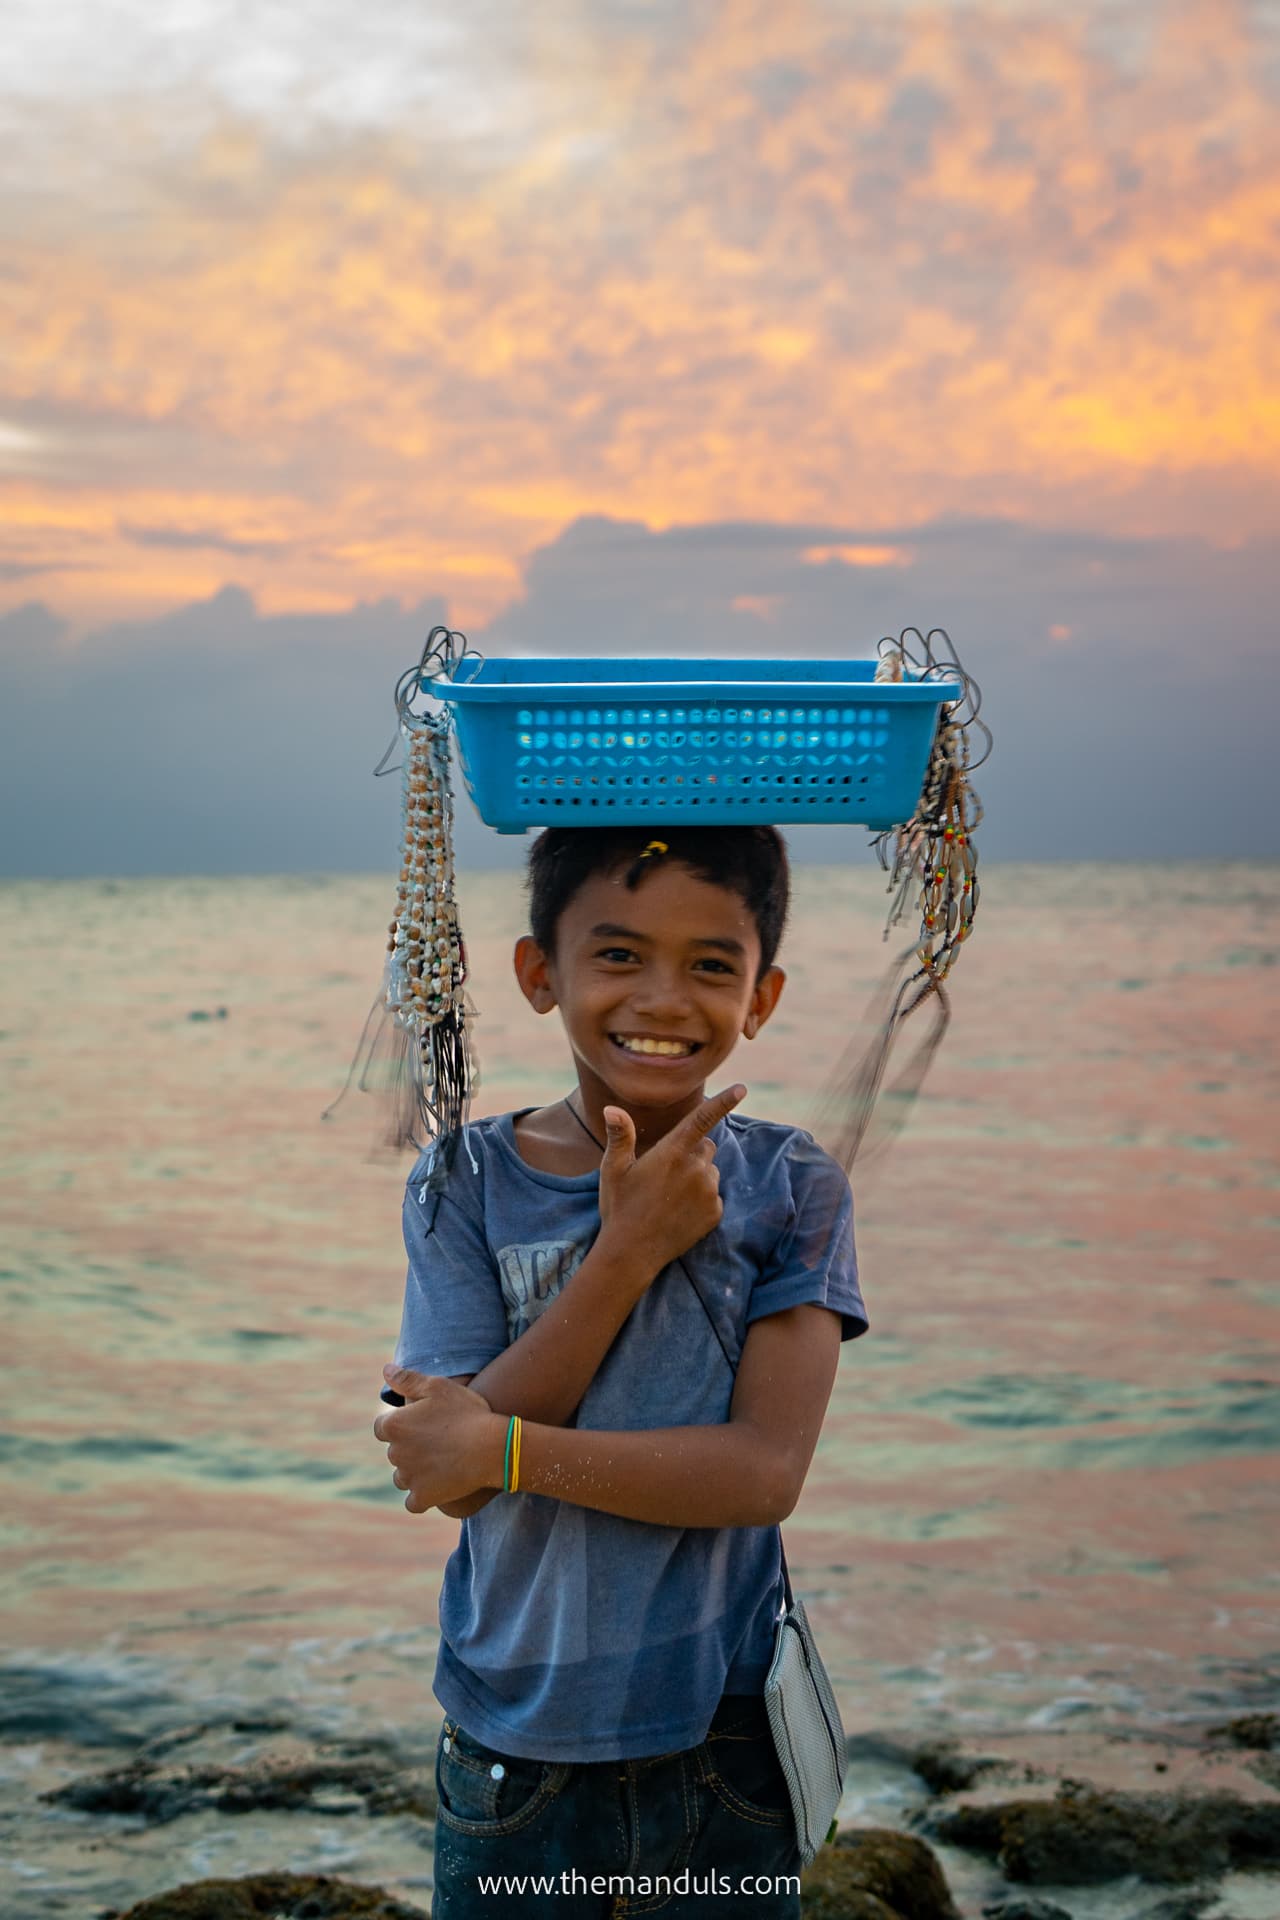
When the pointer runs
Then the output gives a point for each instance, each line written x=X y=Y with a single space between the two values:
x=655 y=986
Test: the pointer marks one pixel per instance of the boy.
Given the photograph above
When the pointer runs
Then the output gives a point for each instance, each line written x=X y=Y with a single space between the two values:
x=658 y=1287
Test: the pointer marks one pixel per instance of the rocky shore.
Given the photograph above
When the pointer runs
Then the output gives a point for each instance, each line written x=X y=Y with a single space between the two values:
x=1183 y=1825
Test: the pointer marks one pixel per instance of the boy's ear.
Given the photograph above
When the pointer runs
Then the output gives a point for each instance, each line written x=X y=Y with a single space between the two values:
x=763 y=1000
x=533 y=971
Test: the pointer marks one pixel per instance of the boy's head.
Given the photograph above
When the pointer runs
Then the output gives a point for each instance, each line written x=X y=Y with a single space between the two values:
x=657 y=945
x=750 y=862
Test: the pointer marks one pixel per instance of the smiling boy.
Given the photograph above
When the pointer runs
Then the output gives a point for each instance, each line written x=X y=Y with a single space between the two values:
x=658 y=1286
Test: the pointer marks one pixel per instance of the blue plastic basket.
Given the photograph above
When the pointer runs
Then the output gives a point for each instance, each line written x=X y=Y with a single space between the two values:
x=586 y=742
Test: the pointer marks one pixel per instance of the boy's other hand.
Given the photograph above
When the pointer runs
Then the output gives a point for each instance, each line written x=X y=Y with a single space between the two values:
x=444 y=1443
x=658 y=1206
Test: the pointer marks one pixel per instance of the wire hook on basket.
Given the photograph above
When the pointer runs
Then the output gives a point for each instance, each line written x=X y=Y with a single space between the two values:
x=443 y=652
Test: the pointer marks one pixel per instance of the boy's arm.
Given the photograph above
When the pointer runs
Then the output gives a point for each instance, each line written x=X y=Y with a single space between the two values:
x=747 y=1472
x=652 y=1210
x=544 y=1374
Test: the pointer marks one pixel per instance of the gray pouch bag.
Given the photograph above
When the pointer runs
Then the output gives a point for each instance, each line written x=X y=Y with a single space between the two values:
x=798 y=1698
x=805 y=1719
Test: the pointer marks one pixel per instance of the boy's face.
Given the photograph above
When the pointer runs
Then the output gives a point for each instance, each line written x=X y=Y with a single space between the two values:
x=655 y=985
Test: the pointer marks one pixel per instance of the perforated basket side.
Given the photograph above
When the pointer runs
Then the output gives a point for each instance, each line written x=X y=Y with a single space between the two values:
x=745 y=761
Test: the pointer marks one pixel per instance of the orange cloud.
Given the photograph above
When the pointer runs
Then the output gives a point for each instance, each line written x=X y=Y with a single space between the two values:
x=950 y=261
x=858 y=556
x=764 y=605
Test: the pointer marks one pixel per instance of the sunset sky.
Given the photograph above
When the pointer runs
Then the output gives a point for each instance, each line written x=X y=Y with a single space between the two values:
x=754 y=324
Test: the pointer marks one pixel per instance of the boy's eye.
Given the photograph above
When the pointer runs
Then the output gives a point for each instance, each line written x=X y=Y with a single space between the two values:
x=624 y=954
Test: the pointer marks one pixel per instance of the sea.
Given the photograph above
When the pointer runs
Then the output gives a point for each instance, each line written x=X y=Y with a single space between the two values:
x=1046 y=1501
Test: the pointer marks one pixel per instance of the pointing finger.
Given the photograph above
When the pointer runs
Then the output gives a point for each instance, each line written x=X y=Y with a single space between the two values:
x=698 y=1124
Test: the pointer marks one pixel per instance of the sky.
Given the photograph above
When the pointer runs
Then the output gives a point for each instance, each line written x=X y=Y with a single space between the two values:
x=652 y=327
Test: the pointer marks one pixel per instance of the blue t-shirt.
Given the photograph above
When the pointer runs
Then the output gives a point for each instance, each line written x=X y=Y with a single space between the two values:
x=568 y=1634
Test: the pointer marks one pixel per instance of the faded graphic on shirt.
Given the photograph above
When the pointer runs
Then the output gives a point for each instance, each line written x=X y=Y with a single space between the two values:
x=531 y=1278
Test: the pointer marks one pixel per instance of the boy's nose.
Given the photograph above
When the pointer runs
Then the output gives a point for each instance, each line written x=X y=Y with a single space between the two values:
x=664 y=994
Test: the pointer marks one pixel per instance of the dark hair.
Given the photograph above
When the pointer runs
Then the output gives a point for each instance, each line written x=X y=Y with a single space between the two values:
x=749 y=861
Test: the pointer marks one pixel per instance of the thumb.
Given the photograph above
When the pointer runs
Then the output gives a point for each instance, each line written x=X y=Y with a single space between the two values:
x=620 y=1143
x=405 y=1381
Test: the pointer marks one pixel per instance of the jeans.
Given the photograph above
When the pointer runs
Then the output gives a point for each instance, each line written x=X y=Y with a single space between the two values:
x=681 y=1835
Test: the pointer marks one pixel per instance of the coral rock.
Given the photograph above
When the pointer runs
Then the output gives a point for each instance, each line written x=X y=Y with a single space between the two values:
x=873 y=1873
x=945 y=1769
x=1082 y=1837
x=273 y=1896
x=1258 y=1732
x=158 y=1794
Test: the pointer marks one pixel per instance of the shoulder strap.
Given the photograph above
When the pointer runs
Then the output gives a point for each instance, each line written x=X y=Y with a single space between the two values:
x=711 y=1320
x=786 y=1577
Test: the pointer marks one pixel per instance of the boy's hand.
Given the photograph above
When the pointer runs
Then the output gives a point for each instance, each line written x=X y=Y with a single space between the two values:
x=444 y=1443
x=660 y=1205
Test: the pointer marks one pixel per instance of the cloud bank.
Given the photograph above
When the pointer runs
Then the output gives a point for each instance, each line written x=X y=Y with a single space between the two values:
x=1131 y=686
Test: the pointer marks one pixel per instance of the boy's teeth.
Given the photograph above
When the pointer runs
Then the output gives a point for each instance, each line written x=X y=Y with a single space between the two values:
x=653 y=1046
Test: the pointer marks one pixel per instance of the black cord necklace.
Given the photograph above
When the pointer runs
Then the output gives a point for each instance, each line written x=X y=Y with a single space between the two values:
x=566 y=1102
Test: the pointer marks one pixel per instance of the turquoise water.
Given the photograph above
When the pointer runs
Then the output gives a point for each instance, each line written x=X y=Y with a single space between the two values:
x=1047 y=1487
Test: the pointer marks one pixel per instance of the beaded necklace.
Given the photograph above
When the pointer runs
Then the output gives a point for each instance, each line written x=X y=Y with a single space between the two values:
x=415 y=1051
x=426 y=969
x=933 y=865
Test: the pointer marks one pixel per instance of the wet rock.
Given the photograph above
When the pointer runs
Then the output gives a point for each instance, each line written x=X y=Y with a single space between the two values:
x=945 y=1769
x=873 y=1873
x=1265 y=1767
x=885 y=1749
x=828 y=1892
x=1183 y=1906
x=157 y=1794
x=1083 y=1838
x=1023 y=1906
x=1259 y=1732
x=272 y=1896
